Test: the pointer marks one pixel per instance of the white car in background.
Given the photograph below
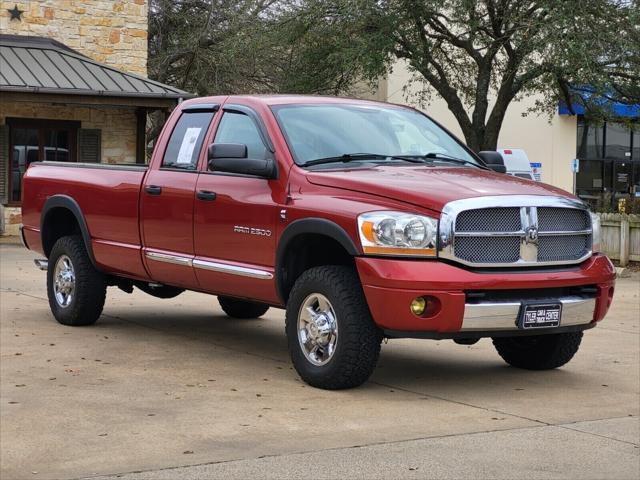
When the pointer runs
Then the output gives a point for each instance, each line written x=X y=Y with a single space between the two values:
x=518 y=165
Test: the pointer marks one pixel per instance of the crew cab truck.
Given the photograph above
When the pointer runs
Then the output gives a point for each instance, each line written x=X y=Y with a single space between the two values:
x=363 y=220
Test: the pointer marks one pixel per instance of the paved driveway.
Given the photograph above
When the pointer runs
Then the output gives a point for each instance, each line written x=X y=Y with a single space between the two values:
x=174 y=389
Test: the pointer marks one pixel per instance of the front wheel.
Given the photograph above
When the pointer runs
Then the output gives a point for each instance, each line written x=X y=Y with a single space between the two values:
x=538 y=352
x=76 y=290
x=332 y=339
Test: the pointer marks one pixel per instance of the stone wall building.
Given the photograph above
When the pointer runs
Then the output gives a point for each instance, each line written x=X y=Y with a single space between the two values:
x=73 y=87
x=112 y=32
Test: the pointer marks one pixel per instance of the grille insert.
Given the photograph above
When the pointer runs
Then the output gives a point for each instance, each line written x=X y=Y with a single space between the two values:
x=488 y=249
x=563 y=248
x=489 y=220
x=552 y=219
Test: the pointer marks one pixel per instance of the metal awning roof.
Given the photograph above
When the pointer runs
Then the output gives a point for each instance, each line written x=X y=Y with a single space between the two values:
x=43 y=65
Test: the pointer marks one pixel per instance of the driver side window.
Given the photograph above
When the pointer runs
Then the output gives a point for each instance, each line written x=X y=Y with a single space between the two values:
x=239 y=128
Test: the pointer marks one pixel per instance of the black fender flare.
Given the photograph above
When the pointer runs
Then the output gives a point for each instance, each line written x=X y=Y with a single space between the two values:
x=319 y=226
x=67 y=203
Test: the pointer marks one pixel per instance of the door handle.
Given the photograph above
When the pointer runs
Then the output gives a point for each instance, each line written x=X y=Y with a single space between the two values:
x=206 y=195
x=153 y=189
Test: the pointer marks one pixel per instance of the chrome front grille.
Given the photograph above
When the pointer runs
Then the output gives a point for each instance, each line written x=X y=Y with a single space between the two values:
x=501 y=232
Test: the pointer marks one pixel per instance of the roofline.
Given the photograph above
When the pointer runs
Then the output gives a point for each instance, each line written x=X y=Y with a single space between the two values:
x=94 y=93
x=35 y=41
x=31 y=42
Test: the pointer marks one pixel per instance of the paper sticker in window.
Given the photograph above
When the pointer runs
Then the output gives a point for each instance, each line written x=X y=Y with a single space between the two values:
x=185 y=154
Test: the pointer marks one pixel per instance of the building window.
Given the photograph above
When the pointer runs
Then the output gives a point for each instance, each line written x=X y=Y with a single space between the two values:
x=609 y=156
x=590 y=137
x=37 y=140
x=617 y=143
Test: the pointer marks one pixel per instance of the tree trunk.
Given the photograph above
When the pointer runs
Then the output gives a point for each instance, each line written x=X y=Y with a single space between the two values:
x=490 y=139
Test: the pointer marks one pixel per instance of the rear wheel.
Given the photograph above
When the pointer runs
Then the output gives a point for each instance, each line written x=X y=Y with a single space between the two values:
x=539 y=352
x=332 y=339
x=76 y=290
x=241 y=308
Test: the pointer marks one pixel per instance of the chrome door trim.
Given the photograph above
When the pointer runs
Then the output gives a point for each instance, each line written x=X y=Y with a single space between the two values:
x=232 y=269
x=504 y=315
x=528 y=205
x=168 y=258
x=210 y=265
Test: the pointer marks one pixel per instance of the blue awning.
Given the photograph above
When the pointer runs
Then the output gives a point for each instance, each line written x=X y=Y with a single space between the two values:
x=617 y=108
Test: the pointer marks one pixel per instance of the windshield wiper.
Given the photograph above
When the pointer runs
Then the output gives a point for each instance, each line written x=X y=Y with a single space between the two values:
x=350 y=157
x=448 y=158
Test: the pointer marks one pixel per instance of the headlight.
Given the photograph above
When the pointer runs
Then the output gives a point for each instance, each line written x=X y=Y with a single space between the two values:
x=595 y=235
x=397 y=233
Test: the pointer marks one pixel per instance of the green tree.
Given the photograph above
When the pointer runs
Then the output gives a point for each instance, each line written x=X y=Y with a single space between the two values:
x=212 y=47
x=202 y=45
x=614 y=73
x=480 y=56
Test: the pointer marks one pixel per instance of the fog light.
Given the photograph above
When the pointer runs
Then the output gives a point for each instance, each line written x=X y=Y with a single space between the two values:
x=418 y=306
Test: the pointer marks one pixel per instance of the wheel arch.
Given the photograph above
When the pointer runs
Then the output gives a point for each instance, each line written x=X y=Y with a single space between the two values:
x=61 y=215
x=298 y=238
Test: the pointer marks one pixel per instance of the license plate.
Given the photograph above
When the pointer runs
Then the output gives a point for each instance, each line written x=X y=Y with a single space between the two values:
x=540 y=315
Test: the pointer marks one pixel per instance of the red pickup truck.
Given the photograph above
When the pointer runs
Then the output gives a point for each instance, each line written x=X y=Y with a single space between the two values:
x=363 y=220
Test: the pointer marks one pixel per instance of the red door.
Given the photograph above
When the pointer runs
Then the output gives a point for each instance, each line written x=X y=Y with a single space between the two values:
x=235 y=219
x=167 y=201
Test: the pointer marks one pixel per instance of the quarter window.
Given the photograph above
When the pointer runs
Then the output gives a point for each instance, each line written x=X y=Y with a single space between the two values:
x=239 y=128
x=186 y=140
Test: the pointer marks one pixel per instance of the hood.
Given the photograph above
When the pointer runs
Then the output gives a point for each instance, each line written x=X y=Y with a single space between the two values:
x=430 y=187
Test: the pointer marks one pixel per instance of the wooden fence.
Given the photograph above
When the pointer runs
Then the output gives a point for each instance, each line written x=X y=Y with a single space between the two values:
x=620 y=237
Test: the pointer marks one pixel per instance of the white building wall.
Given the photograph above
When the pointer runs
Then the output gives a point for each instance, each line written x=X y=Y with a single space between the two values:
x=549 y=141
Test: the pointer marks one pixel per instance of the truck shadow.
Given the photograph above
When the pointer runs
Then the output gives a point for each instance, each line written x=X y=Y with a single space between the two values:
x=407 y=364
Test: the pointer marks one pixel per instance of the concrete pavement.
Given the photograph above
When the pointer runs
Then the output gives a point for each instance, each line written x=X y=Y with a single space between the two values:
x=174 y=389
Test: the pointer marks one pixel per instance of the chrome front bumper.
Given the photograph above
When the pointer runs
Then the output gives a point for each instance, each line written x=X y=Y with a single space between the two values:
x=492 y=316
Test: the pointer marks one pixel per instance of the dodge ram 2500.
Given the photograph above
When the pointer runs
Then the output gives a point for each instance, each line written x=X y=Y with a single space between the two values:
x=363 y=220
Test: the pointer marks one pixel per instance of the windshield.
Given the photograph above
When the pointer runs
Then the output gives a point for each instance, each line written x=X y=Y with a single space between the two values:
x=322 y=131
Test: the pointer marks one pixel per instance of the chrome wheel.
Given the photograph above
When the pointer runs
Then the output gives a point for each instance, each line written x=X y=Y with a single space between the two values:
x=317 y=329
x=64 y=281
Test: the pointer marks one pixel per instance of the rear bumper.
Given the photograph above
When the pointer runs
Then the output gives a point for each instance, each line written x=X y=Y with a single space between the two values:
x=390 y=285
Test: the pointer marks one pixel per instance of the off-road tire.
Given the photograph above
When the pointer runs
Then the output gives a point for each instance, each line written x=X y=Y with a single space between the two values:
x=241 y=308
x=90 y=286
x=358 y=344
x=539 y=352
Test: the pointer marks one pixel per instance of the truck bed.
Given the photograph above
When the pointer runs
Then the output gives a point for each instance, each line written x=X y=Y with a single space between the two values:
x=108 y=197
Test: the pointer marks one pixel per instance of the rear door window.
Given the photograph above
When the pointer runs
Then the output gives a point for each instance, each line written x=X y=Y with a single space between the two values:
x=186 y=140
